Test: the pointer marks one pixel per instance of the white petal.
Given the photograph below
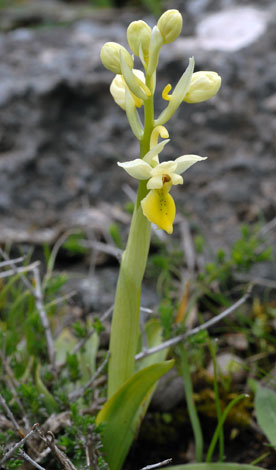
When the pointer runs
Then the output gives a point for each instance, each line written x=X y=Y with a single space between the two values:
x=176 y=179
x=185 y=161
x=164 y=168
x=155 y=150
x=117 y=90
x=137 y=169
x=155 y=182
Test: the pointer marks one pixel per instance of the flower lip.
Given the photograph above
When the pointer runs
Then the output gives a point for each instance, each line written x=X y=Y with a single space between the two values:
x=166 y=179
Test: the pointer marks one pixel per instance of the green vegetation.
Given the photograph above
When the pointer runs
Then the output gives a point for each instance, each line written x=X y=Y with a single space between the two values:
x=33 y=390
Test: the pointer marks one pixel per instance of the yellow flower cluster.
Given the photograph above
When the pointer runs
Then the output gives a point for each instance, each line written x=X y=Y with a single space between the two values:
x=132 y=88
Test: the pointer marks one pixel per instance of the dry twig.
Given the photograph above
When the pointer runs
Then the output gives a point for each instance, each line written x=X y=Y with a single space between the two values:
x=104 y=247
x=43 y=317
x=17 y=270
x=78 y=393
x=11 y=261
x=10 y=415
x=194 y=331
x=26 y=457
x=157 y=465
x=8 y=455
x=49 y=440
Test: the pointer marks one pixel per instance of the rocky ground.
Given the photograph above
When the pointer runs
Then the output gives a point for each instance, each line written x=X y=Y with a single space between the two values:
x=61 y=133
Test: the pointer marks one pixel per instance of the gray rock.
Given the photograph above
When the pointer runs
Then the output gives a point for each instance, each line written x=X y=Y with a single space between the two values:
x=169 y=392
x=229 y=365
x=61 y=133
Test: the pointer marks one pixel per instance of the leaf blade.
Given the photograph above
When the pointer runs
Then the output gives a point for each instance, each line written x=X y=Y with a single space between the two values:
x=120 y=410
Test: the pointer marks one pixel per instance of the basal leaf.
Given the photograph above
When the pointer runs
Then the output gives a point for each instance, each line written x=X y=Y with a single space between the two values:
x=119 y=412
x=214 y=466
x=265 y=406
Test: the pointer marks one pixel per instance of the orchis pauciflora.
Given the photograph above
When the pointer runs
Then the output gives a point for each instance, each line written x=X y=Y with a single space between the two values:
x=130 y=385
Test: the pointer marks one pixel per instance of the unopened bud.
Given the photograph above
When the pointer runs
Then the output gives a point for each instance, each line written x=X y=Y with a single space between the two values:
x=170 y=25
x=138 y=35
x=118 y=90
x=203 y=86
x=110 y=56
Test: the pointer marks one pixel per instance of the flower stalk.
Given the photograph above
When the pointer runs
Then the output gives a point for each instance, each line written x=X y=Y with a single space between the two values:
x=129 y=390
x=125 y=321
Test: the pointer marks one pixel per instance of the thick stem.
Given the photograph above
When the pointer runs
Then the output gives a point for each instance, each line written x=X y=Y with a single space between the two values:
x=125 y=322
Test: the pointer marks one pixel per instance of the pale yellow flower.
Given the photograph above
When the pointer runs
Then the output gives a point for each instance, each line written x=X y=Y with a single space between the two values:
x=158 y=206
x=118 y=89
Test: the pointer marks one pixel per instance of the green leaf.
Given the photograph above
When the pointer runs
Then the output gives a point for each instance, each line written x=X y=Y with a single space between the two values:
x=87 y=357
x=214 y=466
x=153 y=331
x=49 y=401
x=119 y=412
x=64 y=344
x=265 y=406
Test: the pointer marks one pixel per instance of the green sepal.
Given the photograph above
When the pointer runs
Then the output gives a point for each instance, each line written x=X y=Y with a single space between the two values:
x=155 y=151
x=132 y=81
x=133 y=116
x=178 y=94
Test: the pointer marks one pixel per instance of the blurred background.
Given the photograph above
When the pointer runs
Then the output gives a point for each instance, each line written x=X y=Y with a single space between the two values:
x=61 y=134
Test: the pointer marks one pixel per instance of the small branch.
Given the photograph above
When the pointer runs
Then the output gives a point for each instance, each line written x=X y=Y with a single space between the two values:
x=194 y=331
x=43 y=317
x=10 y=262
x=15 y=270
x=267 y=227
x=256 y=280
x=78 y=393
x=61 y=299
x=146 y=310
x=26 y=457
x=10 y=415
x=157 y=465
x=104 y=247
x=49 y=440
x=12 y=384
x=16 y=446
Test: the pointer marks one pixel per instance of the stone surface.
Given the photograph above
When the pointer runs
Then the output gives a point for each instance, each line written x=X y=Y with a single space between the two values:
x=229 y=365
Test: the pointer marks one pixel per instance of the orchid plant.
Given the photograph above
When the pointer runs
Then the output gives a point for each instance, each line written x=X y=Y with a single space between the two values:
x=130 y=385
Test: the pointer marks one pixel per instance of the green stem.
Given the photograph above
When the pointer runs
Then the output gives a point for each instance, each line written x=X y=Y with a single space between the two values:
x=218 y=408
x=185 y=371
x=219 y=426
x=125 y=321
